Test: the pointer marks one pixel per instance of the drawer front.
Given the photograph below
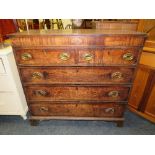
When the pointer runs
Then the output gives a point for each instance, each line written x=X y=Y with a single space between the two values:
x=91 y=75
x=109 y=56
x=45 y=57
x=79 y=110
x=106 y=93
x=116 y=40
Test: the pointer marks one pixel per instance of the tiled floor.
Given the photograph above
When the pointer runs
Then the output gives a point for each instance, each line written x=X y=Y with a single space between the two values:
x=134 y=125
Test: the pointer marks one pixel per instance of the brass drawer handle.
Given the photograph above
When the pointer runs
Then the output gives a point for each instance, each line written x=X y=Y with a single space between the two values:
x=64 y=56
x=88 y=56
x=26 y=56
x=128 y=56
x=116 y=75
x=41 y=93
x=113 y=93
x=43 y=109
x=110 y=110
x=37 y=75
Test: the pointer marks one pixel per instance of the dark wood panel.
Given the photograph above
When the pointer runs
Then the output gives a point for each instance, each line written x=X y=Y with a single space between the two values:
x=149 y=106
x=7 y=26
x=139 y=86
x=78 y=110
x=107 y=93
x=60 y=75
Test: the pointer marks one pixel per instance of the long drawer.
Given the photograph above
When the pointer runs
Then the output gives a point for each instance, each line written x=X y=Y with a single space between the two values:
x=79 y=110
x=99 y=93
x=72 y=57
x=60 y=75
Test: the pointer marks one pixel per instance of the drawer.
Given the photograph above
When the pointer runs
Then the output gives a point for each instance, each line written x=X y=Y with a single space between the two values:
x=48 y=93
x=108 y=56
x=45 y=57
x=79 y=110
x=60 y=75
x=80 y=40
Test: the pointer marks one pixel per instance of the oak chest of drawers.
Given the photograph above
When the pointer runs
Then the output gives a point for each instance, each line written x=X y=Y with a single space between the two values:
x=77 y=74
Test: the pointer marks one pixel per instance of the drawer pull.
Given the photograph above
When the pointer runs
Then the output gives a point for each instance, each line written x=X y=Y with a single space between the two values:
x=41 y=92
x=64 y=56
x=113 y=93
x=26 y=56
x=37 y=75
x=43 y=109
x=116 y=75
x=128 y=56
x=110 y=110
x=88 y=56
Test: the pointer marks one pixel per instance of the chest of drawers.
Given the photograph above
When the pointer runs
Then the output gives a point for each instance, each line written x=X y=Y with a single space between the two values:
x=77 y=74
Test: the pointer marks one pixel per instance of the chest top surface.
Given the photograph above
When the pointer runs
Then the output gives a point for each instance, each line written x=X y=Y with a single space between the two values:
x=75 y=32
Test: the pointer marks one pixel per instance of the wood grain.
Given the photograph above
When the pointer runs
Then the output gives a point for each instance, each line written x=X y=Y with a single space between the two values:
x=77 y=93
x=150 y=103
x=79 y=75
x=138 y=86
x=78 y=110
x=77 y=57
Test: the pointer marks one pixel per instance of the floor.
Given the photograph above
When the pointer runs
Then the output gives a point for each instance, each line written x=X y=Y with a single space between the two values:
x=134 y=125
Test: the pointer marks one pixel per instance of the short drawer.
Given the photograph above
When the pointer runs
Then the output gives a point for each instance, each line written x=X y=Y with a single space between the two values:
x=45 y=57
x=60 y=75
x=108 y=56
x=48 y=93
x=78 y=110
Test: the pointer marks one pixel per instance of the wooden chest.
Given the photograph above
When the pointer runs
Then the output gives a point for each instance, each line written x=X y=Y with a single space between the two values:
x=77 y=74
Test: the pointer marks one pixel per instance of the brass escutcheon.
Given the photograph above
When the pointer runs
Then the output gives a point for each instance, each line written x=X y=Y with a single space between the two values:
x=37 y=75
x=88 y=56
x=128 y=56
x=64 y=56
x=116 y=75
x=43 y=109
x=26 y=56
x=41 y=92
x=113 y=93
x=110 y=110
